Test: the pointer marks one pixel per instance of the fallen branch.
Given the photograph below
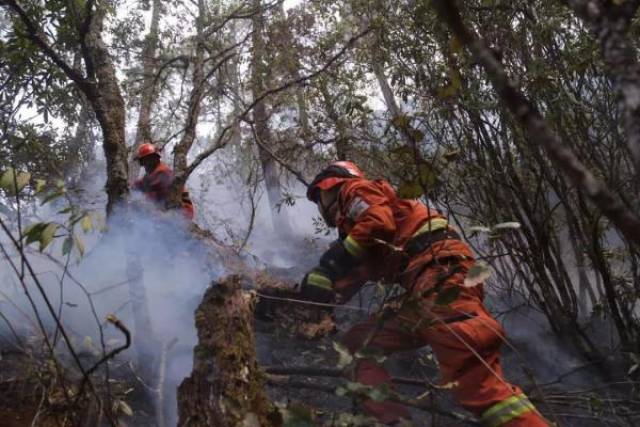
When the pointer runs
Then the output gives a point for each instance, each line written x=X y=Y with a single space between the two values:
x=310 y=371
x=283 y=381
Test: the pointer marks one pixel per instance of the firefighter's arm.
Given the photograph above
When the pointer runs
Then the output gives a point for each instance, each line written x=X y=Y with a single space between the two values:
x=370 y=211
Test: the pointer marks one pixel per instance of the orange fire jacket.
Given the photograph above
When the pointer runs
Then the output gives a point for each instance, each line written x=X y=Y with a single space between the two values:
x=156 y=185
x=376 y=222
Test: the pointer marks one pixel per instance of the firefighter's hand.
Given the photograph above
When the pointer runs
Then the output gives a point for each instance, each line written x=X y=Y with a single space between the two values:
x=317 y=286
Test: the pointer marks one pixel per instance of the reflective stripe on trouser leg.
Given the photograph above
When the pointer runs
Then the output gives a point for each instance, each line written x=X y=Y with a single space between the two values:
x=503 y=412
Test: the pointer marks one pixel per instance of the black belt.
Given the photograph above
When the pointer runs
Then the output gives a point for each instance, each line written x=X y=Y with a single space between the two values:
x=460 y=318
x=423 y=241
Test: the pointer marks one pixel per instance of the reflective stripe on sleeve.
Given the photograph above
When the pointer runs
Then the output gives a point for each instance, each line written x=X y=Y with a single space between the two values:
x=432 y=225
x=320 y=281
x=353 y=247
x=503 y=412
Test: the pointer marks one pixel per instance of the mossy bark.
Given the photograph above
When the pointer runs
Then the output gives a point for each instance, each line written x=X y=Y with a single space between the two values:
x=226 y=386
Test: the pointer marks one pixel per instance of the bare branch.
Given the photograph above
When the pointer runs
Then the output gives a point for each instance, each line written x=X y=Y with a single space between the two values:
x=118 y=324
x=537 y=129
x=222 y=141
x=281 y=162
x=609 y=22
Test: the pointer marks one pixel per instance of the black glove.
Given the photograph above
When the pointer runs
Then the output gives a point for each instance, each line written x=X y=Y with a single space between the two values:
x=337 y=261
x=317 y=286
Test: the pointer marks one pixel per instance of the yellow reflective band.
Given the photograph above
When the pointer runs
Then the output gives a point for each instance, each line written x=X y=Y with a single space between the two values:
x=503 y=412
x=353 y=247
x=433 y=225
x=320 y=281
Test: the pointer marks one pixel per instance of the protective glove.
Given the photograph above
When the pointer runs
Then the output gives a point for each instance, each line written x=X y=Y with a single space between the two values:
x=317 y=286
x=337 y=261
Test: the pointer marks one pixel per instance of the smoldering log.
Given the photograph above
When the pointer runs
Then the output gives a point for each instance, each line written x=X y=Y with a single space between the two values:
x=226 y=386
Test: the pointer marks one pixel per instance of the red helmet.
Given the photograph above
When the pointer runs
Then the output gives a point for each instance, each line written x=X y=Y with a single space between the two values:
x=145 y=150
x=332 y=175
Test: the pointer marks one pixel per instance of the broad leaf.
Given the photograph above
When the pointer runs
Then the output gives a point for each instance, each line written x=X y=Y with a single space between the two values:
x=33 y=232
x=79 y=244
x=86 y=223
x=67 y=245
x=40 y=185
x=12 y=180
x=47 y=235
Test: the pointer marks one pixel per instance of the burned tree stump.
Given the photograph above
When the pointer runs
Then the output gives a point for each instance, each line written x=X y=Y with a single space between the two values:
x=226 y=387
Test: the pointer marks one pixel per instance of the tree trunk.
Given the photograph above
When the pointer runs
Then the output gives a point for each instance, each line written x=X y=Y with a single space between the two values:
x=262 y=132
x=342 y=134
x=226 y=386
x=108 y=104
x=181 y=149
x=143 y=130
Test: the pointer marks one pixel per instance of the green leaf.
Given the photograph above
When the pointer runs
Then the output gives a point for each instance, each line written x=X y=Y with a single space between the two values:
x=67 y=245
x=23 y=179
x=79 y=244
x=6 y=181
x=344 y=356
x=477 y=274
x=448 y=295
x=52 y=196
x=12 y=180
x=47 y=235
x=40 y=185
x=33 y=232
x=86 y=224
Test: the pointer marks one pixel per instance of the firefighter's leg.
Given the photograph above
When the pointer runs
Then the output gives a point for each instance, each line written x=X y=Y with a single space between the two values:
x=385 y=338
x=468 y=352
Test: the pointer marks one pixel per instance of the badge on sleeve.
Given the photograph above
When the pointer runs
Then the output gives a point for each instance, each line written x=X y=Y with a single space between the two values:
x=356 y=207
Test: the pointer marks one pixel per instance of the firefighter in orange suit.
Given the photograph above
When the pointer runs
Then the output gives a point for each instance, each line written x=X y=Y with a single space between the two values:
x=157 y=179
x=465 y=338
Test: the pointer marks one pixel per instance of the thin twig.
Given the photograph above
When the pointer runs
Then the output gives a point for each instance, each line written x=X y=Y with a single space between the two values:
x=118 y=324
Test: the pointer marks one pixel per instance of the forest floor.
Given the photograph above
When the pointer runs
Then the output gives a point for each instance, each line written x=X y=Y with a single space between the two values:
x=565 y=389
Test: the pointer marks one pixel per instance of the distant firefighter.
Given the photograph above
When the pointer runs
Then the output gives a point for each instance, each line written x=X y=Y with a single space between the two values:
x=402 y=240
x=157 y=179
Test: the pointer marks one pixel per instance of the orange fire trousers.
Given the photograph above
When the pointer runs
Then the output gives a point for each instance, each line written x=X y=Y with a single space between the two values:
x=468 y=355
